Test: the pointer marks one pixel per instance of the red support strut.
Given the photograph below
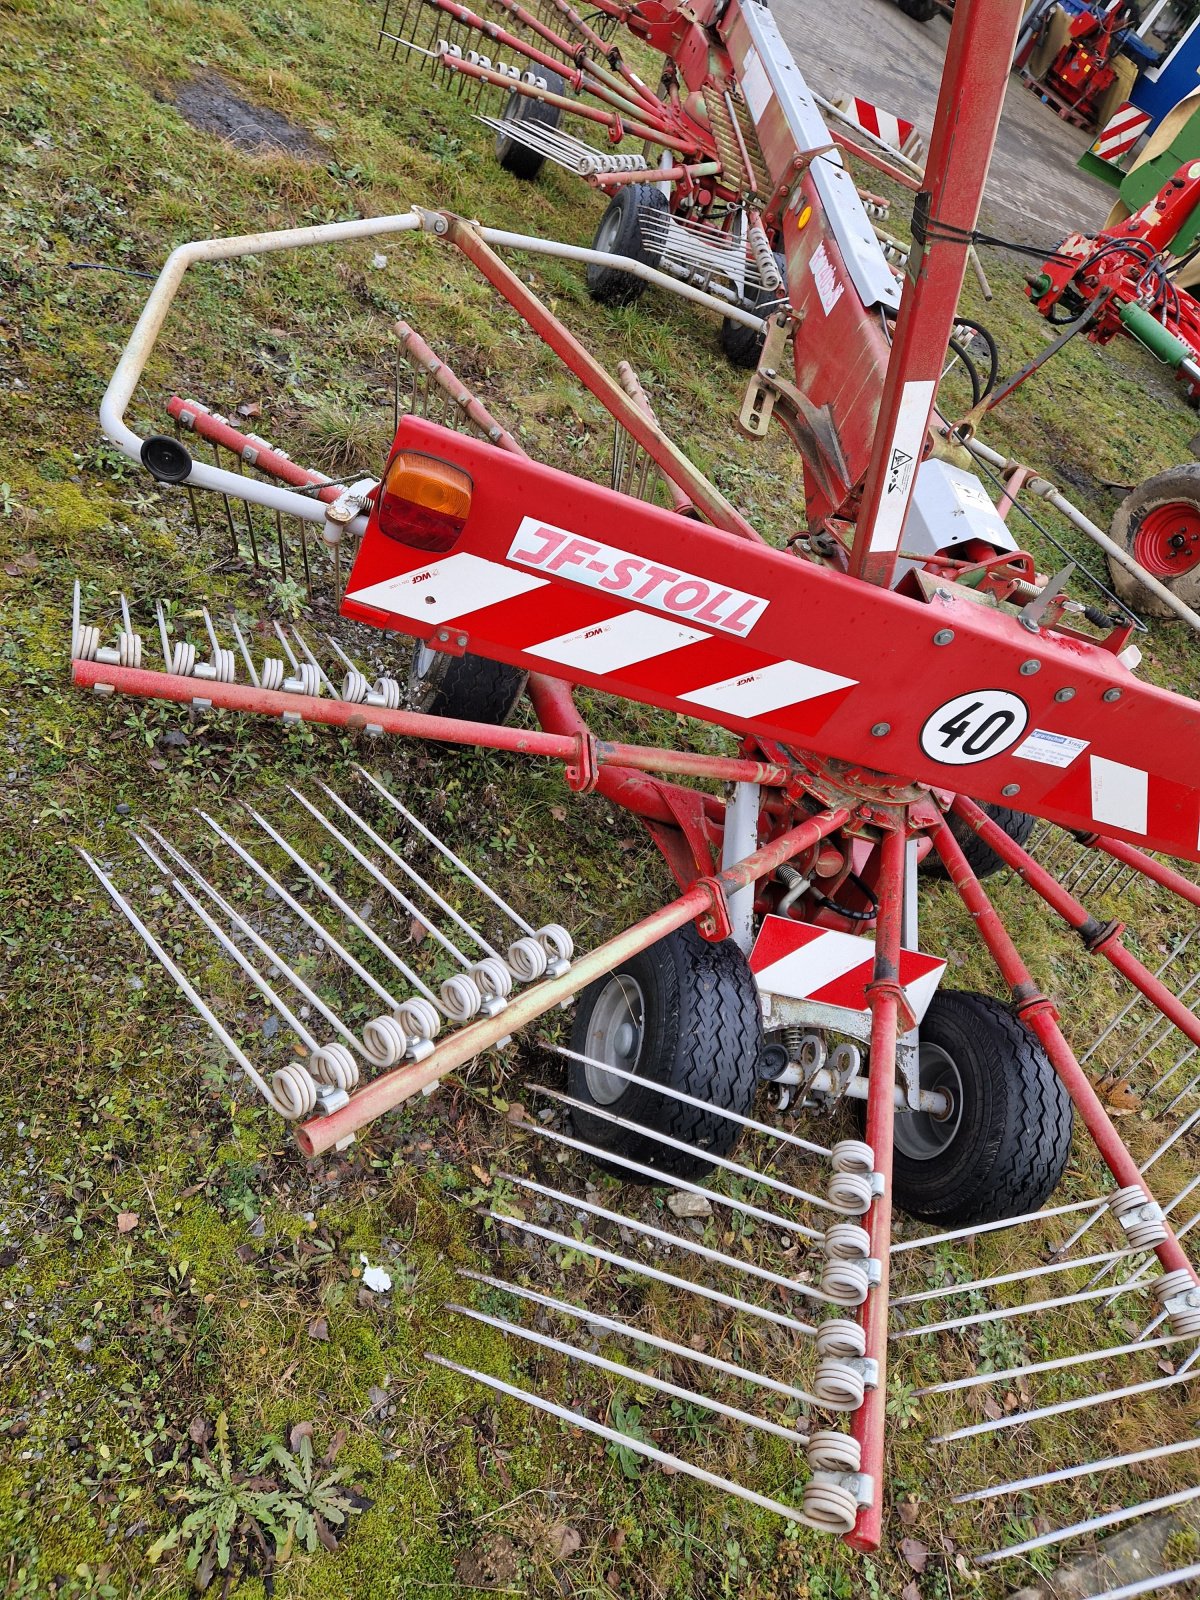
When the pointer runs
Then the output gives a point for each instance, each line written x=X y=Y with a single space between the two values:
x=886 y=997
x=1039 y=1014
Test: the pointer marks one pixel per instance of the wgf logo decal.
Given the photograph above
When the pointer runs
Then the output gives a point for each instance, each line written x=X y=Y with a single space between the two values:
x=618 y=572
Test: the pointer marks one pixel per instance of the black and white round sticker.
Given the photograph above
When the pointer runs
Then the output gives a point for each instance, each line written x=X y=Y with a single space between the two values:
x=974 y=726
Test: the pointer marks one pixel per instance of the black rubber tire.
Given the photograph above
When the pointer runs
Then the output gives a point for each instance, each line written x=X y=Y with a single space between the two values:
x=702 y=1033
x=1012 y=1144
x=919 y=10
x=741 y=345
x=620 y=234
x=1177 y=485
x=518 y=158
x=982 y=860
x=470 y=687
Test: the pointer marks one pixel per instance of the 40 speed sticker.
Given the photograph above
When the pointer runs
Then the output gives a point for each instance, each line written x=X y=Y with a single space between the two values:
x=974 y=726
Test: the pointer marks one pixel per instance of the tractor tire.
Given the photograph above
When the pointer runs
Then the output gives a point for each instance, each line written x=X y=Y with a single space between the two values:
x=1003 y=1148
x=620 y=234
x=514 y=156
x=682 y=1012
x=919 y=10
x=469 y=687
x=982 y=860
x=1159 y=524
x=741 y=345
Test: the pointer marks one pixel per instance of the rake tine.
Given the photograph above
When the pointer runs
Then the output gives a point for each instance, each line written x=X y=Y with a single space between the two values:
x=256 y=938
x=181 y=981
x=305 y=916
x=1003 y=1313
x=575 y=1419
x=1084 y=1358
x=232 y=951
x=749 y=1268
x=632 y=1375
x=1107 y=1520
x=1102 y=1397
x=381 y=878
x=1156 y=1585
x=335 y=899
x=282 y=549
x=1105 y=1260
x=1083 y=1470
x=413 y=876
x=304 y=558
x=320 y=670
x=748 y=1173
x=627 y=1330
x=246 y=656
x=720 y=1111
x=1099 y=1205
x=445 y=849
x=630 y=1165
x=196 y=523
x=626 y=1264
x=287 y=649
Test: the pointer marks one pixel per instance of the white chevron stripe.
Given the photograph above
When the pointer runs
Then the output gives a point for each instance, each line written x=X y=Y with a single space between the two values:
x=752 y=694
x=813 y=965
x=620 y=642
x=447 y=589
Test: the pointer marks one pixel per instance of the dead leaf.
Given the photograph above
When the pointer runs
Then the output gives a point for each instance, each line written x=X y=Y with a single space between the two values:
x=484 y=1177
x=559 y=813
x=1168 y=1367
x=198 y=1430
x=417 y=930
x=318 y=1328
x=915 y=1553
x=127 y=1221
x=563 y=1541
x=907 y=1512
x=250 y=408
x=615 y=1538
x=991 y=1410
x=516 y=1112
x=910 y=1591
x=25 y=564
x=302 y=1430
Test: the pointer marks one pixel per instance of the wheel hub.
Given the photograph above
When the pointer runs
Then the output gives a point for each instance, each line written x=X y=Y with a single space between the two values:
x=1167 y=542
x=925 y=1135
x=615 y=1031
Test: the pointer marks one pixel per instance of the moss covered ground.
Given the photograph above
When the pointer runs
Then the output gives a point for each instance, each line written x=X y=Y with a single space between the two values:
x=237 y=1287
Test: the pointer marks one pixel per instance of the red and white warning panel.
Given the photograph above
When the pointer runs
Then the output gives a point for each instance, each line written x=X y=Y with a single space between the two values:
x=558 y=575
x=796 y=961
x=895 y=131
x=1122 y=131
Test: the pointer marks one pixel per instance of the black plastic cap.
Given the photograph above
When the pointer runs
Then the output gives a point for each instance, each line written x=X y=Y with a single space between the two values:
x=166 y=459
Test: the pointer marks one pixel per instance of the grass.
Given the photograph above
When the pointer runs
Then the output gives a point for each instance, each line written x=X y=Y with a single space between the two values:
x=114 y=1102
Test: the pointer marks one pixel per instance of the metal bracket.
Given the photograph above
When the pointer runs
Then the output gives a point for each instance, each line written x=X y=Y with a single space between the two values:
x=867 y=1367
x=860 y=1484
x=759 y=403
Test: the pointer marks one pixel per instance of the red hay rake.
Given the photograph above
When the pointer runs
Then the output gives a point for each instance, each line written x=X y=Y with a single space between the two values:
x=985 y=690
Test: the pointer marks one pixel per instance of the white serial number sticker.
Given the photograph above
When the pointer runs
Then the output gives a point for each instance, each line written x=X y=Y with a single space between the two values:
x=972 y=727
x=602 y=566
x=1051 y=749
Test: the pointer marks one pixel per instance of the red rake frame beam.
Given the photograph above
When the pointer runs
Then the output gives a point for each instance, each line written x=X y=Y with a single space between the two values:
x=584 y=755
x=974 y=80
x=535 y=580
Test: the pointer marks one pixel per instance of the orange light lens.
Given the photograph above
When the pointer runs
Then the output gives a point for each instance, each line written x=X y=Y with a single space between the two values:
x=425 y=502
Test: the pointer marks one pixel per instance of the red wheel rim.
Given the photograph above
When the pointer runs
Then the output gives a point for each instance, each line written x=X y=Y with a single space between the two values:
x=1167 y=541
